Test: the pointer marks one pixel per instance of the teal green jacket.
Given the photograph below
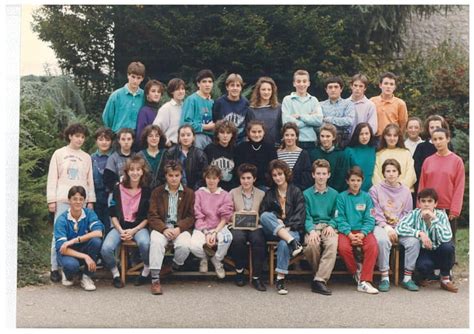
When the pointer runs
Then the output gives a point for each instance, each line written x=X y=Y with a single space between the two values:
x=197 y=111
x=353 y=212
x=340 y=162
x=320 y=208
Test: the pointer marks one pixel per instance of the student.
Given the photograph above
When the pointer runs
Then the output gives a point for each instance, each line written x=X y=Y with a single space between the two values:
x=265 y=107
x=365 y=111
x=413 y=134
x=103 y=140
x=391 y=147
x=297 y=158
x=247 y=198
x=282 y=215
x=169 y=114
x=153 y=142
x=444 y=172
x=362 y=150
x=233 y=106
x=147 y=114
x=113 y=172
x=69 y=166
x=121 y=110
x=339 y=159
x=302 y=109
x=392 y=201
x=193 y=159
x=320 y=226
x=197 y=109
x=430 y=227
x=221 y=152
x=128 y=211
x=171 y=219
x=256 y=151
x=337 y=111
x=213 y=209
x=78 y=234
x=355 y=225
x=390 y=109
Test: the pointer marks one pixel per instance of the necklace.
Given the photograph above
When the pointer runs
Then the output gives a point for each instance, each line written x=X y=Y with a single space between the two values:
x=256 y=149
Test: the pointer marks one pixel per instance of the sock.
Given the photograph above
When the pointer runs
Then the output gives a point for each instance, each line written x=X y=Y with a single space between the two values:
x=254 y=277
x=445 y=279
x=437 y=272
x=146 y=271
x=385 y=276
x=115 y=272
x=407 y=275
x=240 y=271
x=289 y=241
x=280 y=276
x=155 y=275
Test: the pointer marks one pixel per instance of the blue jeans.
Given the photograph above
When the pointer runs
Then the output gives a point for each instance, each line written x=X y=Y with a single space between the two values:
x=442 y=258
x=71 y=264
x=112 y=242
x=270 y=228
x=60 y=208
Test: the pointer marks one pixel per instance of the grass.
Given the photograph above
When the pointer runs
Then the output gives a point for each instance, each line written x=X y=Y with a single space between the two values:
x=462 y=251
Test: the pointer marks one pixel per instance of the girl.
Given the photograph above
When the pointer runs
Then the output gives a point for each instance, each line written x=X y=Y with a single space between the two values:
x=221 y=152
x=193 y=159
x=153 y=142
x=128 y=211
x=213 y=209
x=296 y=158
x=391 y=146
x=362 y=150
x=392 y=201
x=282 y=218
x=265 y=107
x=413 y=134
x=153 y=92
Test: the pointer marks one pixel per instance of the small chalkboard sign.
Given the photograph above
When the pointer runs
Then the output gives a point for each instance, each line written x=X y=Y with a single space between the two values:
x=245 y=220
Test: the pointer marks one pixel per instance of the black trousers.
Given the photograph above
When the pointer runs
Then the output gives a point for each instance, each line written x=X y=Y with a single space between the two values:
x=239 y=250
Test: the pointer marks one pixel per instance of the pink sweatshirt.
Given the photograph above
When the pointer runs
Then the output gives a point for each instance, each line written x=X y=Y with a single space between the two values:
x=210 y=208
x=391 y=204
x=446 y=176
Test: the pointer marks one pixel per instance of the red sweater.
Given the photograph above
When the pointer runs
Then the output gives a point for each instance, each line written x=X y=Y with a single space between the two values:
x=446 y=176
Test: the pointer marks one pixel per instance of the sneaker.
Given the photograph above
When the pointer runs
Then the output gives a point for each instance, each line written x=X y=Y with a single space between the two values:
x=239 y=278
x=320 y=287
x=87 y=283
x=55 y=276
x=366 y=287
x=117 y=282
x=384 y=285
x=280 y=286
x=156 y=288
x=295 y=247
x=410 y=286
x=65 y=281
x=219 y=267
x=203 y=266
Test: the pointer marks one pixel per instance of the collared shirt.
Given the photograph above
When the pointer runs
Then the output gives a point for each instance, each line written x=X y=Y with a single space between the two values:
x=340 y=113
x=316 y=191
x=172 y=216
x=390 y=111
x=365 y=111
x=248 y=200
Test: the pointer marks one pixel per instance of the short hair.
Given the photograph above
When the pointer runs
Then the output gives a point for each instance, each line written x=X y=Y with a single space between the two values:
x=445 y=131
x=253 y=123
x=329 y=127
x=321 y=163
x=355 y=135
x=146 y=132
x=173 y=166
x=391 y=162
x=188 y=126
x=247 y=168
x=104 y=132
x=300 y=72
x=334 y=79
x=76 y=189
x=360 y=77
x=125 y=130
x=255 y=99
x=173 y=85
x=224 y=125
x=212 y=170
x=234 y=77
x=289 y=126
x=152 y=83
x=203 y=74
x=355 y=170
x=389 y=75
x=136 y=159
x=280 y=164
x=383 y=142
x=431 y=118
x=74 y=128
x=427 y=193
x=136 y=68
x=415 y=118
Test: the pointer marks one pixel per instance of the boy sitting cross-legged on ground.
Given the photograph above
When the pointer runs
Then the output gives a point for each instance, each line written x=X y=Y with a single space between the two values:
x=320 y=226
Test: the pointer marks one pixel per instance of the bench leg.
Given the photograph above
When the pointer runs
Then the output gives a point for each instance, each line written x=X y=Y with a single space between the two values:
x=250 y=264
x=271 y=269
x=123 y=263
x=397 y=265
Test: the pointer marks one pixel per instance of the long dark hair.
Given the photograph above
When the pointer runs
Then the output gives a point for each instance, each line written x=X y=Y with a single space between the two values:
x=355 y=136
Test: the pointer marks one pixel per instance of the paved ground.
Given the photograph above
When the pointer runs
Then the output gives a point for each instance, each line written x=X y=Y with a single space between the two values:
x=205 y=302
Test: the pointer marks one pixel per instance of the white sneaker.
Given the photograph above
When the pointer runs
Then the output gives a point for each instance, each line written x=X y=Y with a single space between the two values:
x=203 y=266
x=219 y=267
x=366 y=287
x=87 y=283
x=65 y=281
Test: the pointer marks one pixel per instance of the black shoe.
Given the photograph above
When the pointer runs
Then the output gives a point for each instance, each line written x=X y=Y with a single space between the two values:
x=295 y=247
x=55 y=276
x=258 y=284
x=280 y=286
x=320 y=287
x=239 y=278
x=141 y=280
x=117 y=282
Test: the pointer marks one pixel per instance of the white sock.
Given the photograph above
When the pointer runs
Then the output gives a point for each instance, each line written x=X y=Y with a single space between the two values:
x=406 y=278
x=279 y=276
x=146 y=271
x=239 y=270
x=290 y=240
x=115 y=272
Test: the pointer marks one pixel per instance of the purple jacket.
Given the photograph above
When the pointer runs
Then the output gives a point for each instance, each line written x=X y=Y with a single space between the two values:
x=146 y=116
x=210 y=208
x=391 y=204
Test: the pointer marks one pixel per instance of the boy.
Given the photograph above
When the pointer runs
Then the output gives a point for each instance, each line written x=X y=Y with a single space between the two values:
x=121 y=110
x=431 y=227
x=390 y=109
x=197 y=109
x=355 y=225
x=320 y=227
x=338 y=111
x=303 y=109
x=171 y=219
x=233 y=106
x=365 y=110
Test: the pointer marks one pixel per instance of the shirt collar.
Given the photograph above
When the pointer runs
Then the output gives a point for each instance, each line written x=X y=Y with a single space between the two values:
x=335 y=102
x=109 y=152
x=173 y=102
x=70 y=217
x=218 y=191
x=316 y=191
x=362 y=100
x=138 y=92
x=180 y=188
x=295 y=96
